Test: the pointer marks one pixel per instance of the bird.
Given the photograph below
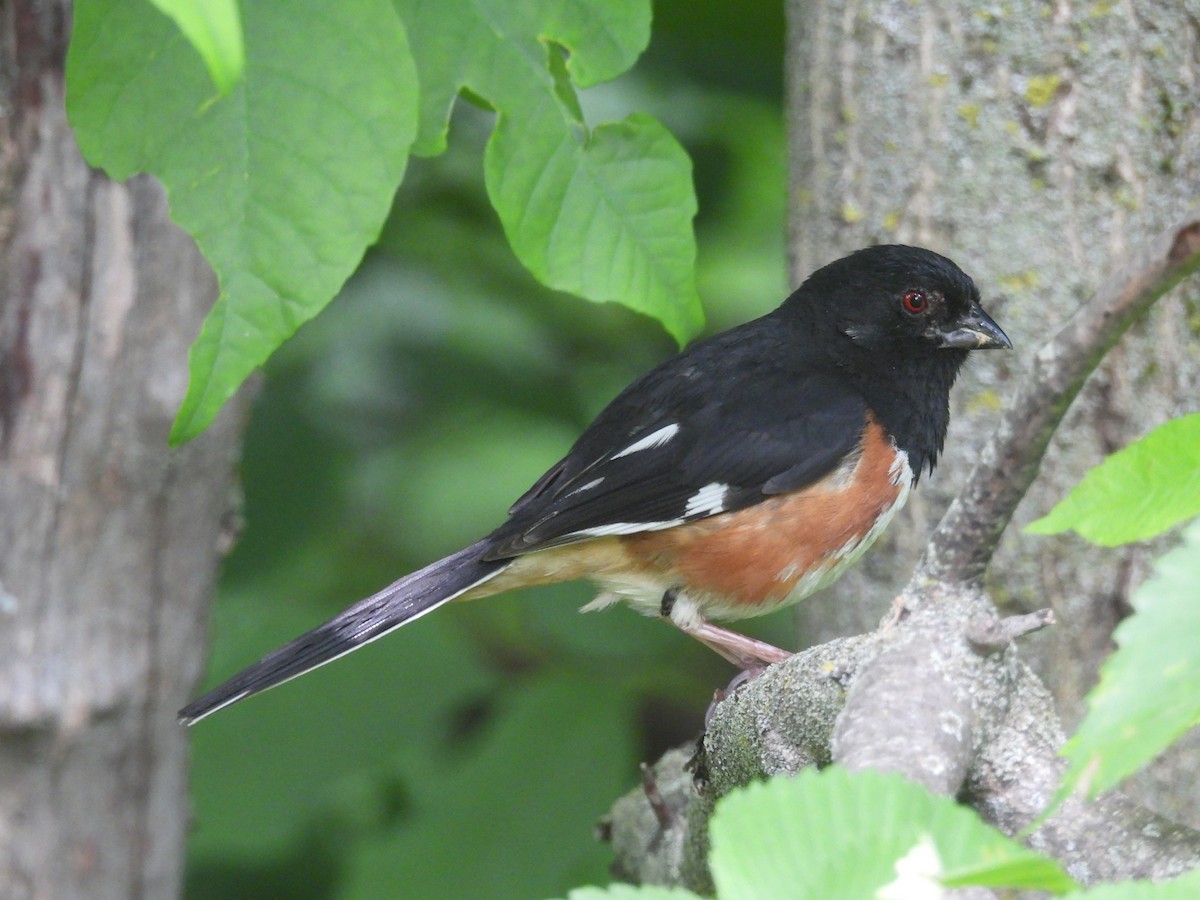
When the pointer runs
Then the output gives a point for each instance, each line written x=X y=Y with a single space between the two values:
x=734 y=479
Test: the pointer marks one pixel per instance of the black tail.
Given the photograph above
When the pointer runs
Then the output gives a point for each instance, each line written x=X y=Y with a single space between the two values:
x=398 y=603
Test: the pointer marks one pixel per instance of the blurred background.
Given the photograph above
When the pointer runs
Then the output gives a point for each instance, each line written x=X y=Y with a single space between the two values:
x=471 y=753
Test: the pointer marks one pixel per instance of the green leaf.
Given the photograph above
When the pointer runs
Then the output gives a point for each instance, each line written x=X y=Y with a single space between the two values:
x=606 y=213
x=1150 y=486
x=1146 y=696
x=1185 y=887
x=609 y=220
x=283 y=183
x=500 y=49
x=834 y=834
x=215 y=30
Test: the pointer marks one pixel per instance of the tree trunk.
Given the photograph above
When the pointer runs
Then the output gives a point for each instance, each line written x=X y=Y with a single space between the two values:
x=109 y=541
x=1037 y=145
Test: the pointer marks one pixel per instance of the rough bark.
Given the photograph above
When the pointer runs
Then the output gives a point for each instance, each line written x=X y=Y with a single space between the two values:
x=1039 y=146
x=109 y=541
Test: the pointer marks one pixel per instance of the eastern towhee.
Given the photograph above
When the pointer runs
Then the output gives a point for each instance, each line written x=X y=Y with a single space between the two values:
x=734 y=479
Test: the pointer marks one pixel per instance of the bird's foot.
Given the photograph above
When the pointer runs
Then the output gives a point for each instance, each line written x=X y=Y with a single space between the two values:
x=898 y=611
x=750 y=655
x=738 y=681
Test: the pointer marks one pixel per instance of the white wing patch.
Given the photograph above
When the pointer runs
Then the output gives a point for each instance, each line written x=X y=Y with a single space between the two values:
x=595 y=482
x=653 y=439
x=708 y=501
x=626 y=528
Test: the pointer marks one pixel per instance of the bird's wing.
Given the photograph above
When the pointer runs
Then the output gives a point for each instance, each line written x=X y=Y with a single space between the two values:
x=689 y=441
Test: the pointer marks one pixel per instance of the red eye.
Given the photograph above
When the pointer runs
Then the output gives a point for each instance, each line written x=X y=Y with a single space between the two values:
x=915 y=302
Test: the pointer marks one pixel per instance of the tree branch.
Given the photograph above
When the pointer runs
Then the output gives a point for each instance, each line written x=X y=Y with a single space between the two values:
x=966 y=538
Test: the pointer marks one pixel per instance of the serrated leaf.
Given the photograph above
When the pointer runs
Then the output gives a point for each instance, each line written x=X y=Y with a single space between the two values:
x=283 y=183
x=832 y=834
x=605 y=214
x=214 y=28
x=1185 y=887
x=1137 y=493
x=1146 y=696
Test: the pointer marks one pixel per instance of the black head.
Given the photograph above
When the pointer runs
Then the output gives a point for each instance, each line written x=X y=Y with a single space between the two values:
x=898 y=322
x=894 y=299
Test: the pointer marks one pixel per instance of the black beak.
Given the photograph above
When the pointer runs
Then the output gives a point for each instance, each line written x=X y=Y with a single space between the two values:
x=974 y=331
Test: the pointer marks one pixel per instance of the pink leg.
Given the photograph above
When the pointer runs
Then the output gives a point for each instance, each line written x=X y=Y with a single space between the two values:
x=744 y=652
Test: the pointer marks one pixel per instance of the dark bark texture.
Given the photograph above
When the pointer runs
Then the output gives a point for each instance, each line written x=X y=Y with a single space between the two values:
x=109 y=540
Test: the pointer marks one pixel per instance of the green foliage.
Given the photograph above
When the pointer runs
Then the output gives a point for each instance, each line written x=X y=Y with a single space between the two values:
x=502 y=51
x=831 y=834
x=604 y=213
x=510 y=797
x=827 y=835
x=609 y=219
x=214 y=28
x=285 y=177
x=1146 y=697
x=834 y=834
x=297 y=755
x=1137 y=493
x=283 y=182
x=380 y=796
